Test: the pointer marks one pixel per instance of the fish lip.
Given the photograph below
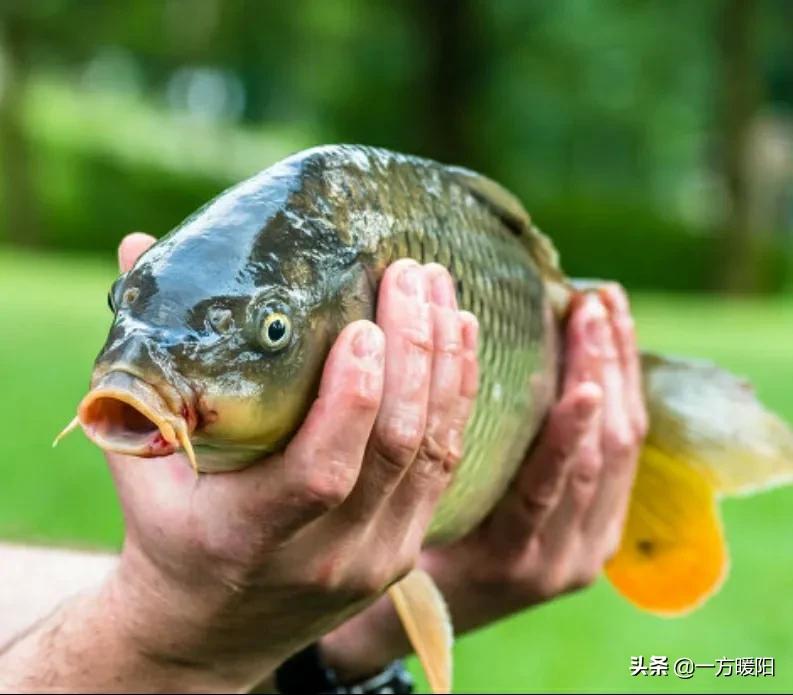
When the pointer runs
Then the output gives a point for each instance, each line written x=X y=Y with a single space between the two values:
x=180 y=398
x=151 y=428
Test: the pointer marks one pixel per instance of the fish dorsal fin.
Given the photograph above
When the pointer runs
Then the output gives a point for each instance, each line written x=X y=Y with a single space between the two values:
x=507 y=206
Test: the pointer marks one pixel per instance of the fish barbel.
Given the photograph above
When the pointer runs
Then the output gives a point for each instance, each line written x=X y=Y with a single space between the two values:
x=221 y=329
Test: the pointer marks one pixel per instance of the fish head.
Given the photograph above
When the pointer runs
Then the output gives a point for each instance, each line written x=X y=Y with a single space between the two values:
x=218 y=345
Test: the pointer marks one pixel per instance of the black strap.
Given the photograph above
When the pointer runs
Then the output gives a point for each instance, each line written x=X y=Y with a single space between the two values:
x=305 y=673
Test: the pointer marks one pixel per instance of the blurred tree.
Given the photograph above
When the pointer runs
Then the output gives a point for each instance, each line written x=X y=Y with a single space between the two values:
x=447 y=84
x=741 y=85
x=603 y=117
x=19 y=199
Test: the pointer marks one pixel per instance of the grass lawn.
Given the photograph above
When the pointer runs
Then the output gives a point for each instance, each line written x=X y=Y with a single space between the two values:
x=53 y=319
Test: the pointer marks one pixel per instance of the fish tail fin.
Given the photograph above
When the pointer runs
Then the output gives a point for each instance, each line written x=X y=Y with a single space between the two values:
x=709 y=436
x=425 y=617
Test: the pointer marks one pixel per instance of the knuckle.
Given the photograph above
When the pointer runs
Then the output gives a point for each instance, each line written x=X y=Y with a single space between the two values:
x=432 y=449
x=558 y=449
x=586 y=471
x=453 y=458
x=450 y=345
x=399 y=438
x=240 y=557
x=620 y=446
x=432 y=473
x=450 y=349
x=339 y=575
x=418 y=337
x=535 y=503
x=371 y=583
x=362 y=396
x=326 y=491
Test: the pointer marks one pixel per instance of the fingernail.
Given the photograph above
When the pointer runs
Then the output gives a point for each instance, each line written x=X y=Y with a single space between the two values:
x=368 y=344
x=410 y=281
x=442 y=290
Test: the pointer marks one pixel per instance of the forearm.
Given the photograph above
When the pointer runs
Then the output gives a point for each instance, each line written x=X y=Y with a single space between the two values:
x=64 y=626
x=83 y=647
x=36 y=580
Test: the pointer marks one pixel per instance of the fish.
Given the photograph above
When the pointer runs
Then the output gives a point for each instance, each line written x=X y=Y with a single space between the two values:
x=221 y=328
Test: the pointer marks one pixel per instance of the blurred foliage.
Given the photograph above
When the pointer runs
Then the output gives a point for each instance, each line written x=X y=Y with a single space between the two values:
x=652 y=141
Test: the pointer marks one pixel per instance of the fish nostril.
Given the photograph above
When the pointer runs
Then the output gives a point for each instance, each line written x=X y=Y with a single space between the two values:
x=220 y=319
x=130 y=295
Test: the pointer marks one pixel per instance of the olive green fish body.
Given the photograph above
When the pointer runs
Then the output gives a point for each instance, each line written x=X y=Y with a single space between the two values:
x=309 y=239
x=394 y=206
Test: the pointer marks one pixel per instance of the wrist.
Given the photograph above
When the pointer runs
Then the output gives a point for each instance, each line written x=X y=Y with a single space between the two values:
x=366 y=643
x=161 y=643
x=309 y=672
x=188 y=630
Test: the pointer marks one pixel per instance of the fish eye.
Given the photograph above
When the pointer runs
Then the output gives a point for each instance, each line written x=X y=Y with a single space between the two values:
x=276 y=330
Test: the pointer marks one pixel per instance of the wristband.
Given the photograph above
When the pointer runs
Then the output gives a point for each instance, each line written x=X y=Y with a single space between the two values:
x=306 y=673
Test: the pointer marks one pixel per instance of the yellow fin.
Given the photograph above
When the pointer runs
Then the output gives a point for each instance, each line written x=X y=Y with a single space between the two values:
x=673 y=555
x=426 y=620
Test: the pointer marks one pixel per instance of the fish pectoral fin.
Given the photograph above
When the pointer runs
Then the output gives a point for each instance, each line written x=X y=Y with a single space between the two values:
x=673 y=555
x=426 y=620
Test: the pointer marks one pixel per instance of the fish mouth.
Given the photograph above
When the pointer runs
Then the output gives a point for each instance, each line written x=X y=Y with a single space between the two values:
x=124 y=414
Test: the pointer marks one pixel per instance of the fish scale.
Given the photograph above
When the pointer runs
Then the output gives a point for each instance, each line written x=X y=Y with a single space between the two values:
x=498 y=282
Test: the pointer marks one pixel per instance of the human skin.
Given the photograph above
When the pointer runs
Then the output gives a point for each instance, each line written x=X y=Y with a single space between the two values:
x=223 y=577
x=561 y=519
x=559 y=522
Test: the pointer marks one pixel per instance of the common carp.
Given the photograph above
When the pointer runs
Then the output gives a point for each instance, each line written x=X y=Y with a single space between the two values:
x=221 y=329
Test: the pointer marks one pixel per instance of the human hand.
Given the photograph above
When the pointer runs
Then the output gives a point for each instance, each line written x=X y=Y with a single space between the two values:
x=563 y=516
x=233 y=572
